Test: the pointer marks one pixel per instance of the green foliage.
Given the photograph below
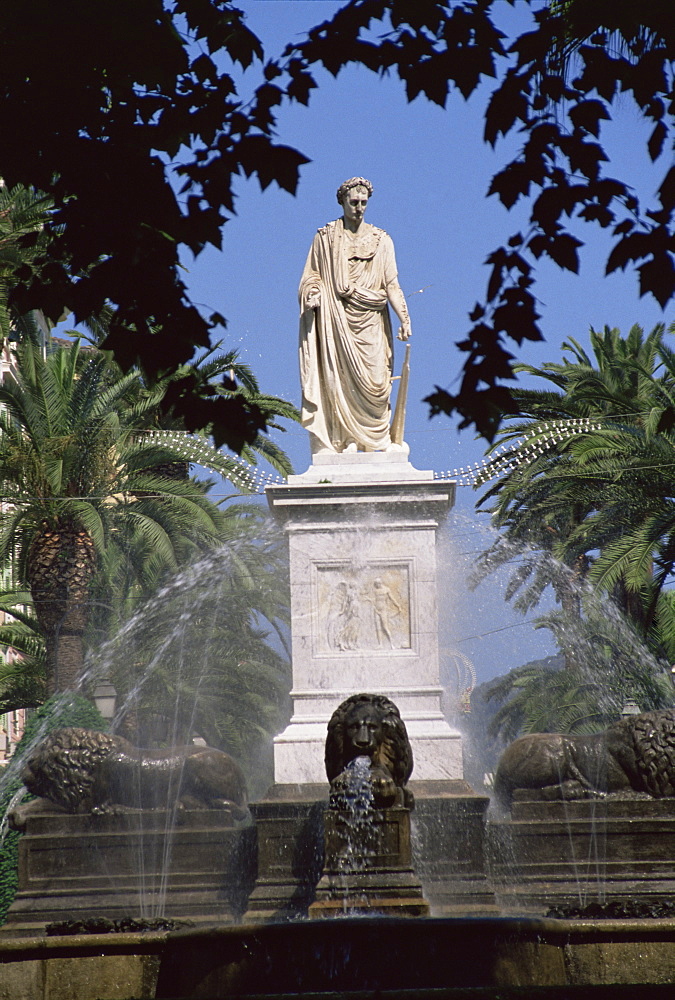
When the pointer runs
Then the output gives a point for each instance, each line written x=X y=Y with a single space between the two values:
x=70 y=710
x=61 y=710
x=663 y=627
x=603 y=665
x=149 y=99
x=9 y=854
x=23 y=676
x=592 y=482
x=542 y=698
x=23 y=216
x=226 y=376
x=83 y=442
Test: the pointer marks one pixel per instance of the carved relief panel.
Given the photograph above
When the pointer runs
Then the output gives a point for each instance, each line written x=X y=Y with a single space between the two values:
x=364 y=609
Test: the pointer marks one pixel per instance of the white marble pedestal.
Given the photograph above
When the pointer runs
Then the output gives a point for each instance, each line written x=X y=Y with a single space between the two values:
x=362 y=546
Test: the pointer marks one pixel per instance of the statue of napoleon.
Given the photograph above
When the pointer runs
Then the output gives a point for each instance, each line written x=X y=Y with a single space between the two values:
x=346 y=346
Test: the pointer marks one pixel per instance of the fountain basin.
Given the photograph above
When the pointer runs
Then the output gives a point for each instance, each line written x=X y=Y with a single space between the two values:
x=81 y=967
x=392 y=955
x=398 y=957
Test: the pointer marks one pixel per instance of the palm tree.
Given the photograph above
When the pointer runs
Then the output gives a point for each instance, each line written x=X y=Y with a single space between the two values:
x=588 y=480
x=540 y=697
x=583 y=477
x=222 y=375
x=79 y=480
x=22 y=675
x=204 y=653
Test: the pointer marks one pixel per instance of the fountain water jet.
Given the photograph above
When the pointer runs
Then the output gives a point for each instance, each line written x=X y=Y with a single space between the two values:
x=147 y=862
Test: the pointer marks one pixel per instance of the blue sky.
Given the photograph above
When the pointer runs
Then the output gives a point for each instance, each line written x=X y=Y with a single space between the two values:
x=431 y=170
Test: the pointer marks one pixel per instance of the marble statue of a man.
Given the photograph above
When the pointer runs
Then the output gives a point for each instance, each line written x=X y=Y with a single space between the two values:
x=346 y=347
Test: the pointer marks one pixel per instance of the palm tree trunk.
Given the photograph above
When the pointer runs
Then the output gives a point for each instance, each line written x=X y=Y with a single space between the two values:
x=61 y=567
x=65 y=662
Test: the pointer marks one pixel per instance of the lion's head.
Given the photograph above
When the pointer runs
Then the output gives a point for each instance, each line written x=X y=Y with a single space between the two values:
x=369 y=725
x=63 y=765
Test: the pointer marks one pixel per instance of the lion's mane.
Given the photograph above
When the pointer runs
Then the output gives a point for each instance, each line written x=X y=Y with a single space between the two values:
x=653 y=735
x=394 y=753
x=63 y=766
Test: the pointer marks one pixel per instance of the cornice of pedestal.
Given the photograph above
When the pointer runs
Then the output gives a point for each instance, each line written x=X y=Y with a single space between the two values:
x=407 y=499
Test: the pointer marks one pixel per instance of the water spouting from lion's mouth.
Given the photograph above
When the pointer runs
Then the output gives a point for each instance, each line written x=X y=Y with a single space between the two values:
x=355 y=802
x=359 y=840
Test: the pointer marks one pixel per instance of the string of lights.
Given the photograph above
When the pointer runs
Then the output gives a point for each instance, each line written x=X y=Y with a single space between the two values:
x=508 y=457
x=242 y=473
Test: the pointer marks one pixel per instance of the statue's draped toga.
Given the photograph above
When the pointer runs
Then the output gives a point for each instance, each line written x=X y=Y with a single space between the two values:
x=346 y=347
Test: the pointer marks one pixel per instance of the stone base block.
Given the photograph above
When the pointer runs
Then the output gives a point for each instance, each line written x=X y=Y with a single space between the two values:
x=135 y=864
x=81 y=967
x=289 y=839
x=448 y=848
x=368 y=865
x=575 y=853
x=361 y=467
x=364 y=614
x=448 y=839
x=368 y=904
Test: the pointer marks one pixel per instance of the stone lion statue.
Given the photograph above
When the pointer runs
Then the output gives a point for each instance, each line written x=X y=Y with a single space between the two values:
x=80 y=770
x=635 y=755
x=370 y=726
